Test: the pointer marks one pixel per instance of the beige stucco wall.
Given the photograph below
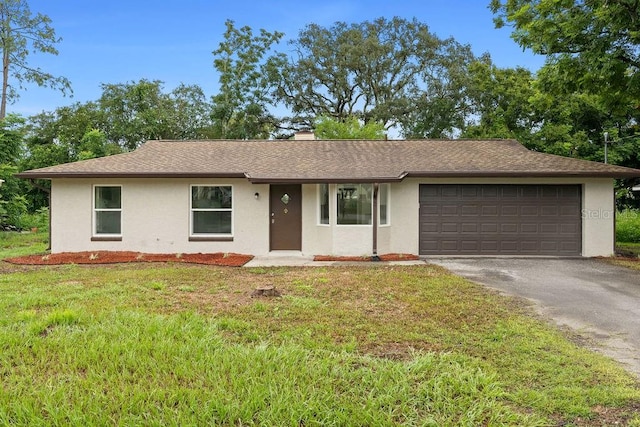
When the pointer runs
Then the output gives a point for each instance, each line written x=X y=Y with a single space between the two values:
x=598 y=222
x=155 y=217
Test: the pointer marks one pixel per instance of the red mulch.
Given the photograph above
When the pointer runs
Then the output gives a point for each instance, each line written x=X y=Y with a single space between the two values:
x=113 y=257
x=385 y=257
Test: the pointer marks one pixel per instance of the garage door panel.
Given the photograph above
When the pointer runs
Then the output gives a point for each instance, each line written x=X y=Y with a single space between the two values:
x=569 y=229
x=509 y=210
x=449 y=227
x=470 y=191
x=488 y=227
x=490 y=210
x=449 y=210
x=551 y=228
x=549 y=246
x=500 y=219
x=549 y=211
x=529 y=210
x=470 y=228
x=468 y=210
x=449 y=192
x=469 y=245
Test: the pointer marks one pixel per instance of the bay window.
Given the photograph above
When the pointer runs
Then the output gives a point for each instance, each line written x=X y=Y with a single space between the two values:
x=354 y=204
x=323 y=193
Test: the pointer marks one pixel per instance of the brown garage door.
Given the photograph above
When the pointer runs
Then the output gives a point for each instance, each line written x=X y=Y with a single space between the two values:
x=500 y=220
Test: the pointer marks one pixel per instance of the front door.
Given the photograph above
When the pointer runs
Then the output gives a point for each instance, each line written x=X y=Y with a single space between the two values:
x=286 y=217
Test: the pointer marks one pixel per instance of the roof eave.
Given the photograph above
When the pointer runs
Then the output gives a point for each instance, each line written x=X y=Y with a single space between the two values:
x=523 y=174
x=46 y=175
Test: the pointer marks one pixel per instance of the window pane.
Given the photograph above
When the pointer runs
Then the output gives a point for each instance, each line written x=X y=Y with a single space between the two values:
x=108 y=198
x=206 y=197
x=108 y=222
x=324 y=203
x=383 y=195
x=209 y=222
x=354 y=203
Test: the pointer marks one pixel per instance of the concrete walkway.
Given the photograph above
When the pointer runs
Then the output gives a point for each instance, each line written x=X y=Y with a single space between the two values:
x=296 y=259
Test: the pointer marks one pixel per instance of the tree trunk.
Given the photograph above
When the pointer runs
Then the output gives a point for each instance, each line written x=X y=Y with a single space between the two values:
x=5 y=82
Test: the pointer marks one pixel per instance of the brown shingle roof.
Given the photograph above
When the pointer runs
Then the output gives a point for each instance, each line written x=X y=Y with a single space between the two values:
x=332 y=161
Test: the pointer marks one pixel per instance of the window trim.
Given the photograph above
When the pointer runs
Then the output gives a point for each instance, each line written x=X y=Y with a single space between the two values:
x=333 y=208
x=388 y=223
x=104 y=237
x=329 y=195
x=210 y=237
x=337 y=206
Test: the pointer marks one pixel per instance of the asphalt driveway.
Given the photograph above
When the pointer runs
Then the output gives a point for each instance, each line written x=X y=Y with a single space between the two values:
x=598 y=300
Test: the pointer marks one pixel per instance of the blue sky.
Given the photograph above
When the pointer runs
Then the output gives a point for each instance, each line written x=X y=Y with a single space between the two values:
x=117 y=41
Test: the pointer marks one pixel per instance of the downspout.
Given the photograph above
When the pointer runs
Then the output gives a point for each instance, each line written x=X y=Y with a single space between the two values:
x=375 y=256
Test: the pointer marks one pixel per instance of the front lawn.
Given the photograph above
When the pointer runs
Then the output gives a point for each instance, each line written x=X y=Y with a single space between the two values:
x=142 y=344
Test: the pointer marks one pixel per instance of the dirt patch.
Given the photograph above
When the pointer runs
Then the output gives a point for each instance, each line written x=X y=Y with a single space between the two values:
x=118 y=257
x=385 y=257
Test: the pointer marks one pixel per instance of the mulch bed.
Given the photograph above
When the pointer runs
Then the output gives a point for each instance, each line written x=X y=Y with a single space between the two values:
x=385 y=257
x=112 y=257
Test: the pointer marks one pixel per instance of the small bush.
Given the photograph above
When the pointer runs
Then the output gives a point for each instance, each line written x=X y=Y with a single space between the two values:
x=38 y=219
x=628 y=226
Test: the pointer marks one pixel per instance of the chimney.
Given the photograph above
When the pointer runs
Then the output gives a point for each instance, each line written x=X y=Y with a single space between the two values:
x=304 y=135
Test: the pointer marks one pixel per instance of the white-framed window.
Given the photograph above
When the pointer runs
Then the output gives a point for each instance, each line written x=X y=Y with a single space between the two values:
x=211 y=210
x=354 y=204
x=107 y=210
x=323 y=204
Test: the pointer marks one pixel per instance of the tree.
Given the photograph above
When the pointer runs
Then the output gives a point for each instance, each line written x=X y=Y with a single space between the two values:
x=241 y=106
x=190 y=114
x=593 y=44
x=20 y=34
x=499 y=102
x=373 y=70
x=12 y=202
x=350 y=128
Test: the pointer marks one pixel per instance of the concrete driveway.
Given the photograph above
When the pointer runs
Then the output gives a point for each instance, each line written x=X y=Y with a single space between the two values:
x=598 y=300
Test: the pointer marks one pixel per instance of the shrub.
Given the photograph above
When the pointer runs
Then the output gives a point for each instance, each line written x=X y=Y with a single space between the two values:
x=628 y=226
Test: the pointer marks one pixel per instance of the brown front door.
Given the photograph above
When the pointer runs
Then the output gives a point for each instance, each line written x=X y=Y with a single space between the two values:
x=286 y=217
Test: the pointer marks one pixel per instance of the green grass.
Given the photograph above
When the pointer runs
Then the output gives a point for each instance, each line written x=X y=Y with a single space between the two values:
x=187 y=345
x=14 y=244
x=628 y=226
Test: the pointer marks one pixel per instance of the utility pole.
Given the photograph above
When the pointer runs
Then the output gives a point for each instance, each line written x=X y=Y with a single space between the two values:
x=606 y=145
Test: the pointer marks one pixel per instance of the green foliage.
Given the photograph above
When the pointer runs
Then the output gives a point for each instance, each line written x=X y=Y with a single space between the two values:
x=95 y=144
x=21 y=33
x=628 y=226
x=376 y=70
x=135 y=112
x=349 y=128
x=12 y=203
x=589 y=84
x=594 y=43
x=241 y=107
x=11 y=135
x=499 y=97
